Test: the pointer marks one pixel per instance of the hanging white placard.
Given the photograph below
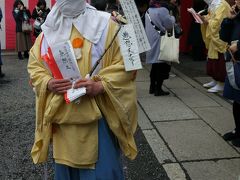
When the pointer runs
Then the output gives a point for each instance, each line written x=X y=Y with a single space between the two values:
x=130 y=11
x=129 y=48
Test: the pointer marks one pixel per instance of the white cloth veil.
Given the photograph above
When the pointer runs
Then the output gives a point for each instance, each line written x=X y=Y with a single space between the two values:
x=66 y=13
x=213 y=4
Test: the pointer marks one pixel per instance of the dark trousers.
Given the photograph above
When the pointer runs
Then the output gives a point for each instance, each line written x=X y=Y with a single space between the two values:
x=236 y=115
x=159 y=72
x=198 y=53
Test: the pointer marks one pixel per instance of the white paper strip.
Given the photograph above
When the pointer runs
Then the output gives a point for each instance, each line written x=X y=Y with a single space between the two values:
x=65 y=59
x=129 y=48
x=130 y=11
x=64 y=56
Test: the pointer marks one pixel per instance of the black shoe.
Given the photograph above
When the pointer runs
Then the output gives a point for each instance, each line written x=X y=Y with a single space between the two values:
x=161 y=93
x=26 y=55
x=231 y=136
x=2 y=75
x=20 y=57
x=236 y=142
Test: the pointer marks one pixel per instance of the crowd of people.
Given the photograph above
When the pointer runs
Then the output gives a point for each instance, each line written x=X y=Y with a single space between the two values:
x=107 y=122
x=24 y=29
x=220 y=43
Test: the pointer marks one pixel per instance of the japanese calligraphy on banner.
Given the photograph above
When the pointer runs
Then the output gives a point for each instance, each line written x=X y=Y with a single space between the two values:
x=130 y=11
x=64 y=56
x=129 y=48
x=66 y=62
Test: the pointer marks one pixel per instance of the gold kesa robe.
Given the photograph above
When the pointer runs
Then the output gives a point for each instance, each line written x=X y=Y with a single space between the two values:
x=73 y=128
x=210 y=31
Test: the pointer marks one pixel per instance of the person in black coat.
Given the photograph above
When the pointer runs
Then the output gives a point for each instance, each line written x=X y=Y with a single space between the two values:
x=112 y=5
x=39 y=14
x=100 y=5
x=230 y=32
x=23 y=39
x=195 y=36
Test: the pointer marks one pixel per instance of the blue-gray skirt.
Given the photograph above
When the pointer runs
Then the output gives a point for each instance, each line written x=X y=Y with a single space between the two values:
x=108 y=166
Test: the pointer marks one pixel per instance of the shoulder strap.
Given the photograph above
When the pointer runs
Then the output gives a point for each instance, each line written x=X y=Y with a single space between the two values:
x=154 y=26
x=232 y=56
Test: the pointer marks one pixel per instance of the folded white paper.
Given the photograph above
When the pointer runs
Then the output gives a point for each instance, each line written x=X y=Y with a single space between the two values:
x=73 y=94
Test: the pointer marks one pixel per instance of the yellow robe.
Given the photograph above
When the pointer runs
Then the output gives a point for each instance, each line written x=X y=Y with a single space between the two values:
x=210 y=31
x=73 y=128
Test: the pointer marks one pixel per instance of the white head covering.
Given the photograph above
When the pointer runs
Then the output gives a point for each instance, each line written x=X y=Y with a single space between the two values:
x=71 y=8
x=65 y=13
x=213 y=4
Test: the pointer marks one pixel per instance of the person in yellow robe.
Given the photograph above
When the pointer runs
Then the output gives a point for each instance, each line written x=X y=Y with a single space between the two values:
x=217 y=11
x=87 y=136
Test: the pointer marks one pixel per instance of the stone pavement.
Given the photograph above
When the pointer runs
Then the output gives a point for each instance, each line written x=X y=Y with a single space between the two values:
x=184 y=129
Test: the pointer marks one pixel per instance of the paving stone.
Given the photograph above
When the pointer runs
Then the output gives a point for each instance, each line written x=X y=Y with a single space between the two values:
x=158 y=146
x=219 y=118
x=214 y=170
x=194 y=140
x=143 y=121
x=147 y=66
x=174 y=171
x=203 y=80
x=143 y=90
x=216 y=97
x=176 y=82
x=143 y=75
x=194 y=98
x=166 y=108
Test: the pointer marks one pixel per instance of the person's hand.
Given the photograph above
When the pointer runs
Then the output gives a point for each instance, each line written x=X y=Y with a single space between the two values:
x=232 y=12
x=93 y=88
x=205 y=21
x=237 y=4
x=233 y=48
x=59 y=86
x=40 y=12
x=21 y=7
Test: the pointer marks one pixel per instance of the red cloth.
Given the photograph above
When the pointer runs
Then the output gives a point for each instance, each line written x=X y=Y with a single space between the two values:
x=185 y=20
x=216 y=68
x=10 y=25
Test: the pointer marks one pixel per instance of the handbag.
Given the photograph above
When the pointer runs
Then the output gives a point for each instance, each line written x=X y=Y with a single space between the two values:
x=169 y=48
x=169 y=45
x=26 y=27
x=178 y=30
x=233 y=71
x=37 y=24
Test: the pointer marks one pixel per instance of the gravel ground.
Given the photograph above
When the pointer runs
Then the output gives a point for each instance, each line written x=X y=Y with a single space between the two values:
x=17 y=118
